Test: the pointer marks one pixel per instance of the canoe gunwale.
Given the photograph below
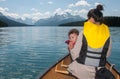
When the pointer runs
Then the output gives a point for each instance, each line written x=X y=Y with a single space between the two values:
x=113 y=68
x=46 y=70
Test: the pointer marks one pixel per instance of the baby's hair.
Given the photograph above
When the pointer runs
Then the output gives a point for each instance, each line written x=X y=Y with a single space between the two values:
x=73 y=31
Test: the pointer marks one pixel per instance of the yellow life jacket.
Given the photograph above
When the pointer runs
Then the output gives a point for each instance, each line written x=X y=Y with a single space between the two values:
x=96 y=35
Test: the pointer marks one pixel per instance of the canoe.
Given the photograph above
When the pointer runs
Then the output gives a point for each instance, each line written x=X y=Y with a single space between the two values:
x=59 y=70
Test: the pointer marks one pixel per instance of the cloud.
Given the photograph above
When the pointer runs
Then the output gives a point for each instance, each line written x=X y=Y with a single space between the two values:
x=13 y=15
x=3 y=9
x=79 y=3
x=50 y=2
x=2 y=0
x=60 y=11
x=71 y=5
x=83 y=11
x=35 y=10
x=38 y=15
x=26 y=15
x=82 y=3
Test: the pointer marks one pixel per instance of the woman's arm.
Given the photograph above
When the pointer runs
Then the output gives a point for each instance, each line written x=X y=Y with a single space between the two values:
x=77 y=47
x=109 y=48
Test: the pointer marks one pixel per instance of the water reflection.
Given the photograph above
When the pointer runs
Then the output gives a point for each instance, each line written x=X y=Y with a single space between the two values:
x=3 y=37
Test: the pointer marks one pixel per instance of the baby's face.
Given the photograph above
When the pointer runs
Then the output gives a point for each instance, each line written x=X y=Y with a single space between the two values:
x=73 y=37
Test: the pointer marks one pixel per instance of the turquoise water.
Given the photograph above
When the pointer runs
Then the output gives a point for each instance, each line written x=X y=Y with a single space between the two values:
x=26 y=52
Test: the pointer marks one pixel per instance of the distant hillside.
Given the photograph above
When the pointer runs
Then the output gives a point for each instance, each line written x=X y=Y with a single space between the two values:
x=5 y=21
x=108 y=20
x=112 y=20
x=2 y=23
x=77 y=23
x=58 y=19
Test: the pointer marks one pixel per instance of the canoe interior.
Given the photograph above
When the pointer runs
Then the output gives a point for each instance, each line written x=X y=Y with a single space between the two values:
x=55 y=71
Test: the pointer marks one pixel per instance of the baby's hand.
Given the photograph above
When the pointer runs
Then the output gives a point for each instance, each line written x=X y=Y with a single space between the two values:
x=67 y=41
x=70 y=45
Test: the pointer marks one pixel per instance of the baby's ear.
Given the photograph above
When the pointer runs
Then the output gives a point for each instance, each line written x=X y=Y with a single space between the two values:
x=67 y=41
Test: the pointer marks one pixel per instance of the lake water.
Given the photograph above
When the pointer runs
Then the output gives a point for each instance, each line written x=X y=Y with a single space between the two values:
x=26 y=52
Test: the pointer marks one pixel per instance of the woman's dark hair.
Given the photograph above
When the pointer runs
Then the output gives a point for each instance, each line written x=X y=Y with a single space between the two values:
x=96 y=14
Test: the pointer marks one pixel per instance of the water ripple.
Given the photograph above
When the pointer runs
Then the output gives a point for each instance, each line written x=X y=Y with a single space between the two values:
x=25 y=52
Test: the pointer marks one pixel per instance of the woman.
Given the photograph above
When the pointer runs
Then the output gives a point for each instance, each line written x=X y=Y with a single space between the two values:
x=92 y=47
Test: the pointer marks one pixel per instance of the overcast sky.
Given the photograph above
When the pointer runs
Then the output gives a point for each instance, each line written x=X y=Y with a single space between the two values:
x=37 y=9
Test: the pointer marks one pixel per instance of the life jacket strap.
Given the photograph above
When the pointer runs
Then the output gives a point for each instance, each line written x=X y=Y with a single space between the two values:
x=93 y=57
x=93 y=52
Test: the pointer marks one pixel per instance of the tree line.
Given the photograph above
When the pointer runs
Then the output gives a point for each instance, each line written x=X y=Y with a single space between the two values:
x=111 y=21
x=3 y=24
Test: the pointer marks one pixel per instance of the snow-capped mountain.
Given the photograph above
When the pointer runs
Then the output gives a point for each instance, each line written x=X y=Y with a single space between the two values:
x=58 y=19
x=10 y=22
x=54 y=20
x=26 y=20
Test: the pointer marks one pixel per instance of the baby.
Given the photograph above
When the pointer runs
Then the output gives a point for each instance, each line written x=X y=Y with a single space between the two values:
x=73 y=34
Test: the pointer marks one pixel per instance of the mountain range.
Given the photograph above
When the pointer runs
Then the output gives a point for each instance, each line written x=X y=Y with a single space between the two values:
x=25 y=21
x=54 y=20
x=58 y=19
x=9 y=22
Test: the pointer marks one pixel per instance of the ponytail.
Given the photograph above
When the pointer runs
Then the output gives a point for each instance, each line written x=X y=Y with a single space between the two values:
x=96 y=14
x=99 y=7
